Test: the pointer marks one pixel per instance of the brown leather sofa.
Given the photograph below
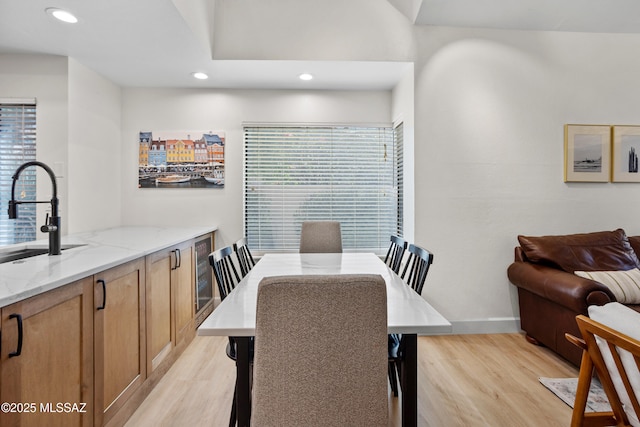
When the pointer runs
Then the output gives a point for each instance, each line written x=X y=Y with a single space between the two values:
x=551 y=296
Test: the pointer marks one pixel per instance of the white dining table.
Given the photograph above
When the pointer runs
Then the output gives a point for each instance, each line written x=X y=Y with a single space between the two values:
x=408 y=314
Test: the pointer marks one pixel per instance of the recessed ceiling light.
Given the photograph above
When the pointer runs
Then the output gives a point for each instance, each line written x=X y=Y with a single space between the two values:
x=200 y=76
x=305 y=76
x=62 y=15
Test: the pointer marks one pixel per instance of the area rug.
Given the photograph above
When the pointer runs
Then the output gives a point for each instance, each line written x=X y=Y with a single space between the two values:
x=565 y=389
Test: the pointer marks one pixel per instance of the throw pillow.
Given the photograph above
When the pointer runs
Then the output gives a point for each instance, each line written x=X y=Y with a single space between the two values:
x=602 y=250
x=625 y=285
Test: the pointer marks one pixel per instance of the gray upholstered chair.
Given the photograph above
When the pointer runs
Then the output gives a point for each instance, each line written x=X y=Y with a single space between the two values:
x=334 y=371
x=320 y=237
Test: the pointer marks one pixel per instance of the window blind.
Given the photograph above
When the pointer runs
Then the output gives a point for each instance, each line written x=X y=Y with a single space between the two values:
x=398 y=135
x=342 y=173
x=17 y=145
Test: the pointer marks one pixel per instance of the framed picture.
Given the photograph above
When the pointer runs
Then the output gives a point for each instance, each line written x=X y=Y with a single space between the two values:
x=587 y=153
x=626 y=149
x=181 y=159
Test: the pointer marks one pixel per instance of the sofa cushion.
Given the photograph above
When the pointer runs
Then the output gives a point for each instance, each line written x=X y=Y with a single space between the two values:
x=625 y=284
x=599 y=251
x=634 y=241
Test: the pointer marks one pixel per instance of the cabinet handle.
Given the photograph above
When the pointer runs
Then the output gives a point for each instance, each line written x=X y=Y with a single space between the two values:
x=178 y=256
x=18 y=317
x=104 y=294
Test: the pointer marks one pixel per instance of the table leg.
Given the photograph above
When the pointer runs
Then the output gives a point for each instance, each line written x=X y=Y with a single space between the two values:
x=243 y=384
x=409 y=379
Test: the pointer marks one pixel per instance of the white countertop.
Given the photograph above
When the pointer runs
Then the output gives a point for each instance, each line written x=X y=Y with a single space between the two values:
x=103 y=249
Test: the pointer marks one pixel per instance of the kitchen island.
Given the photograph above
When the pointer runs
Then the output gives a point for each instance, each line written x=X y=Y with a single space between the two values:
x=95 y=328
x=100 y=250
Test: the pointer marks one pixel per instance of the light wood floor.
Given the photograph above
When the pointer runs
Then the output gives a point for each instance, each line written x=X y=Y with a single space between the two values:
x=463 y=380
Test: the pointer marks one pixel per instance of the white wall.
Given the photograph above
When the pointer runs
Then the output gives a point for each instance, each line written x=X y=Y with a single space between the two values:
x=402 y=105
x=225 y=110
x=490 y=110
x=488 y=144
x=77 y=133
x=43 y=77
x=94 y=168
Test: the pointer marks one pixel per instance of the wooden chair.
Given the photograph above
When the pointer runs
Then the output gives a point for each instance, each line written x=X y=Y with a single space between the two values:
x=320 y=237
x=333 y=373
x=245 y=259
x=227 y=277
x=615 y=358
x=395 y=253
x=417 y=268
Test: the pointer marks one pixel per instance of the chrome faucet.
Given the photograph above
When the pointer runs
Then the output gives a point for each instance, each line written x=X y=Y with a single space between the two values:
x=52 y=223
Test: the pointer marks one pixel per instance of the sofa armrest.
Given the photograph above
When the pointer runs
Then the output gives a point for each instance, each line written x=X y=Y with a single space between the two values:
x=571 y=291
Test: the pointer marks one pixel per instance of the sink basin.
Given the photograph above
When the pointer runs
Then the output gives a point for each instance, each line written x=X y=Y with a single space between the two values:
x=19 y=254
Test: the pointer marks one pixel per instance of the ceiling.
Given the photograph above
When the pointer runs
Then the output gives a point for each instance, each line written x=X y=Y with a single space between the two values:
x=594 y=16
x=158 y=43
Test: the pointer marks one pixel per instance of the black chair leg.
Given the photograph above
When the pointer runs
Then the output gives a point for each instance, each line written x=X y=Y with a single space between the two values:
x=393 y=379
x=398 y=365
x=232 y=420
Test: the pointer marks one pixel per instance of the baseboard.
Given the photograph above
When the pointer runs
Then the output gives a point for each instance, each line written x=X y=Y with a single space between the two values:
x=500 y=325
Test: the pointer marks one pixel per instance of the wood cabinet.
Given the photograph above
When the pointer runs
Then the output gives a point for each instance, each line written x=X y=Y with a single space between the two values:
x=101 y=343
x=158 y=307
x=47 y=358
x=119 y=337
x=182 y=279
x=169 y=303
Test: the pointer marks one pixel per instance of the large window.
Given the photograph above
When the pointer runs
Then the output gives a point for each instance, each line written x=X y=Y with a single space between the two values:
x=343 y=173
x=17 y=145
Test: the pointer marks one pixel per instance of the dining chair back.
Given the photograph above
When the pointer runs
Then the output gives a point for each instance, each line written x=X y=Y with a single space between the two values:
x=417 y=267
x=227 y=277
x=245 y=259
x=393 y=260
x=414 y=274
x=224 y=270
x=320 y=237
x=395 y=253
x=333 y=372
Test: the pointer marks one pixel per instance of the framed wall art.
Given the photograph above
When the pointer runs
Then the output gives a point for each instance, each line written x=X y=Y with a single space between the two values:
x=587 y=153
x=626 y=149
x=181 y=159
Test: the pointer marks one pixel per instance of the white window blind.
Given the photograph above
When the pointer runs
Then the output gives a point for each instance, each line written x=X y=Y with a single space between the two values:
x=399 y=175
x=343 y=173
x=17 y=145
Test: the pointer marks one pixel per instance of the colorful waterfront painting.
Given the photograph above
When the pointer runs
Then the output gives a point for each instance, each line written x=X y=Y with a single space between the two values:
x=181 y=159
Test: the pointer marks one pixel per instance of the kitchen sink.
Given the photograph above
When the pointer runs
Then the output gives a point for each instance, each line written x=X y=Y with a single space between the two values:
x=19 y=254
